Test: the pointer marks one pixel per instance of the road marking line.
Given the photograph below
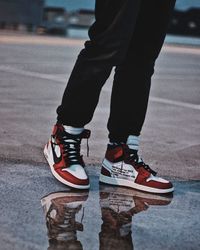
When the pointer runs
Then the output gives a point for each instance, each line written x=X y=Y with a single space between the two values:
x=176 y=103
x=61 y=78
x=57 y=78
x=181 y=50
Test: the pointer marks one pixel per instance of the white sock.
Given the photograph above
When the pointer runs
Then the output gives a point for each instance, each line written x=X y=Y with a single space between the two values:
x=133 y=142
x=73 y=130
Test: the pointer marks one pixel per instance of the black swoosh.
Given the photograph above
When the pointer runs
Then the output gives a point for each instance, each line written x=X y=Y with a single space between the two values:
x=55 y=158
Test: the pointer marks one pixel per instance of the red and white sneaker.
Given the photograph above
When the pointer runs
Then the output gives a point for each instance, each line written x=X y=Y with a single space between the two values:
x=123 y=167
x=62 y=153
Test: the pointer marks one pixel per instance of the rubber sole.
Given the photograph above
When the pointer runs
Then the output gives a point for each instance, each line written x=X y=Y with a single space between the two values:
x=131 y=184
x=58 y=177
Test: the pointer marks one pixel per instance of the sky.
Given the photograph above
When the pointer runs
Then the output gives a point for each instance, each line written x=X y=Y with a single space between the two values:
x=184 y=4
x=72 y=4
x=89 y=4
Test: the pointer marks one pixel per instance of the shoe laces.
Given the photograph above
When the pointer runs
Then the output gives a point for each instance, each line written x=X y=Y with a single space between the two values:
x=71 y=146
x=71 y=149
x=138 y=161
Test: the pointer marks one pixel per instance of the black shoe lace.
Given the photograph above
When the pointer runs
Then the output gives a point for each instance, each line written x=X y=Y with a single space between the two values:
x=71 y=149
x=133 y=157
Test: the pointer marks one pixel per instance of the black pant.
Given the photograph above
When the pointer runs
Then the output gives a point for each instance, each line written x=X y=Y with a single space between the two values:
x=127 y=34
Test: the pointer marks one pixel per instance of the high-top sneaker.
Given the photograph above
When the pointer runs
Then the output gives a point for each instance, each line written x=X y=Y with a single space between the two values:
x=122 y=167
x=64 y=213
x=62 y=152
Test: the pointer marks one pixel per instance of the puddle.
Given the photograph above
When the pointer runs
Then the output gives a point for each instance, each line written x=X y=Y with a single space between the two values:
x=39 y=213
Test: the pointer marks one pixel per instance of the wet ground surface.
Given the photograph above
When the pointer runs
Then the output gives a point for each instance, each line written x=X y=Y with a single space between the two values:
x=39 y=213
x=34 y=72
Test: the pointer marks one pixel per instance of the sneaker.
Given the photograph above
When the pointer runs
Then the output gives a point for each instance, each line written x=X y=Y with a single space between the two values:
x=62 y=153
x=64 y=213
x=123 y=167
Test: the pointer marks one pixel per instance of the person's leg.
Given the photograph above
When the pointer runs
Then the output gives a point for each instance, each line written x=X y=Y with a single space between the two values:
x=132 y=78
x=109 y=37
x=122 y=166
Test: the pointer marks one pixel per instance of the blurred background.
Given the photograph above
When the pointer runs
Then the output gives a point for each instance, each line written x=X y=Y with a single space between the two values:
x=73 y=17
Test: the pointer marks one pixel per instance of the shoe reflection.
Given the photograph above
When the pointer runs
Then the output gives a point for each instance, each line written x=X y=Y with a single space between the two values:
x=61 y=212
x=118 y=205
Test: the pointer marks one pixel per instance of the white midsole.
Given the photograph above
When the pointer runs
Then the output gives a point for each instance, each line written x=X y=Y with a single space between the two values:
x=49 y=158
x=131 y=184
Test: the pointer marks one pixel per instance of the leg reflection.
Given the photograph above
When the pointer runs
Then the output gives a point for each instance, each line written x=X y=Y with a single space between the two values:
x=118 y=205
x=61 y=210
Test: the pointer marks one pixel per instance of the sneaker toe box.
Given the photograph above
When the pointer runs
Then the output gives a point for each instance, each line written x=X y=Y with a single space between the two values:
x=75 y=174
x=158 y=182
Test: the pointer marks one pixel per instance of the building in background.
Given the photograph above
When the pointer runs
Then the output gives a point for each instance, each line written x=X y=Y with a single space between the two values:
x=186 y=18
x=55 y=20
x=80 y=12
x=14 y=13
x=45 y=16
x=57 y=16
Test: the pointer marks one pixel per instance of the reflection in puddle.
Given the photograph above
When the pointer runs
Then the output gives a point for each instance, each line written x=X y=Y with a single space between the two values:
x=64 y=212
x=60 y=211
x=118 y=205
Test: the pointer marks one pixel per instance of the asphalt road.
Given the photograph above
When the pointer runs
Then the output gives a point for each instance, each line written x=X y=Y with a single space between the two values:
x=34 y=71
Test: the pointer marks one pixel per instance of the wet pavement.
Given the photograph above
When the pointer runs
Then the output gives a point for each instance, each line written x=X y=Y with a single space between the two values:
x=37 y=212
